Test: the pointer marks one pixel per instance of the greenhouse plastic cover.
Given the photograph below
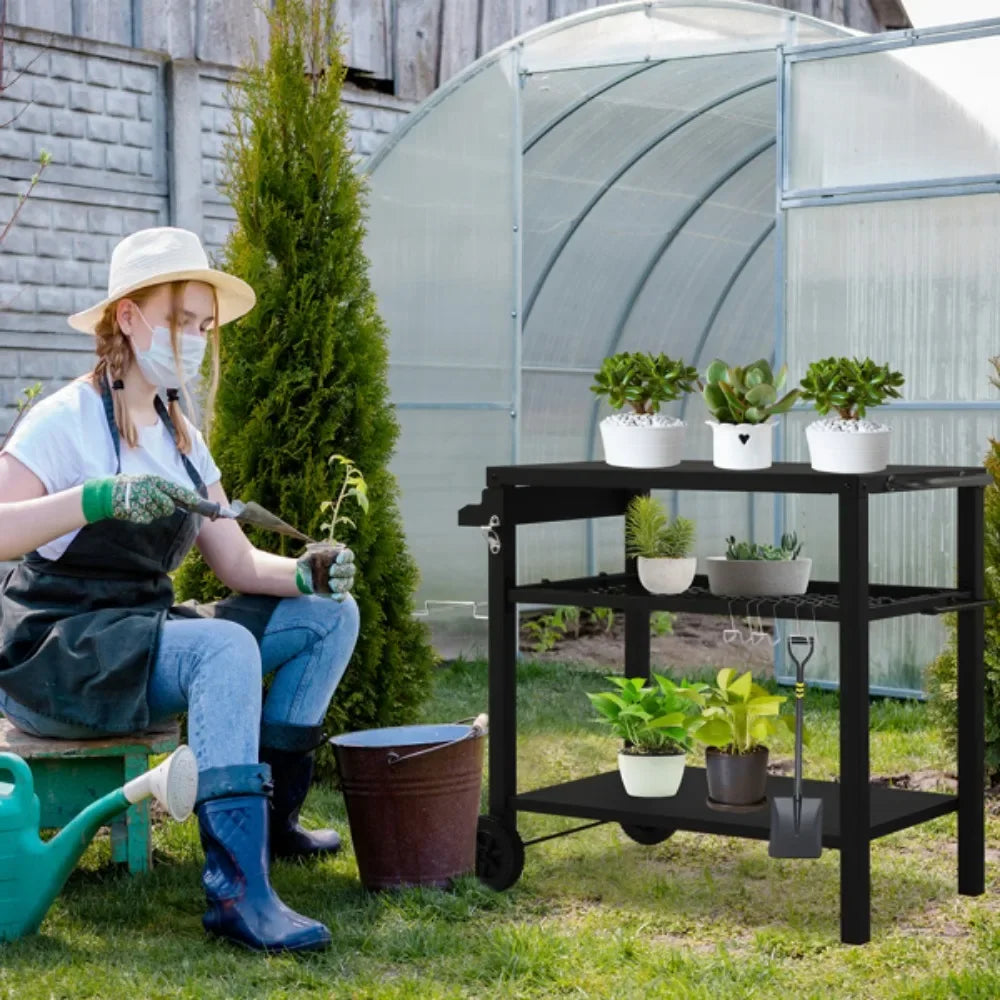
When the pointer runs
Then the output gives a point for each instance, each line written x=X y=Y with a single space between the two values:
x=609 y=182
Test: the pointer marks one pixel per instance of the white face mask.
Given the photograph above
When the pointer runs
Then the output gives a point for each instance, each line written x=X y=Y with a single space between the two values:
x=157 y=361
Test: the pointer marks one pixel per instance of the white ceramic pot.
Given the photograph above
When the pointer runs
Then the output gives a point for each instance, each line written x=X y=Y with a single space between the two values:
x=742 y=446
x=642 y=446
x=839 y=450
x=666 y=576
x=649 y=776
x=757 y=577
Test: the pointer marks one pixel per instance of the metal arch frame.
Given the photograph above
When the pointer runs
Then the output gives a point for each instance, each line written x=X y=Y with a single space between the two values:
x=591 y=95
x=610 y=182
x=553 y=27
x=697 y=203
x=655 y=258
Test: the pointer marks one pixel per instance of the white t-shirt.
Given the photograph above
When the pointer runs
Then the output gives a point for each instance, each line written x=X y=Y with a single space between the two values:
x=64 y=439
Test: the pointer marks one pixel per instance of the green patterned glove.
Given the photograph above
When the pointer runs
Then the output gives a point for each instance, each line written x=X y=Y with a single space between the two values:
x=139 y=499
x=327 y=570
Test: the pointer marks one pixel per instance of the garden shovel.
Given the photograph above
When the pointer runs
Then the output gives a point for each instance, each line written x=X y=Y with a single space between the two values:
x=246 y=513
x=797 y=823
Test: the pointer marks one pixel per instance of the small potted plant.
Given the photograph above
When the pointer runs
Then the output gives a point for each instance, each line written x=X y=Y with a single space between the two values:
x=654 y=722
x=739 y=717
x=749 y=569
x=742 y=400
x=661 y=547
x=848 y=442
x=353 y=486
x=635 y=384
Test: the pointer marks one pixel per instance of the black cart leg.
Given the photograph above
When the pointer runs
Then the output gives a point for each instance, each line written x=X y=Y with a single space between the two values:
x=855 y=800
x=503 y=667
x=971 y=763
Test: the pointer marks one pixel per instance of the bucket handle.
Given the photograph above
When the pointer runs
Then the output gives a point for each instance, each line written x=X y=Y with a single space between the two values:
x=478 y=727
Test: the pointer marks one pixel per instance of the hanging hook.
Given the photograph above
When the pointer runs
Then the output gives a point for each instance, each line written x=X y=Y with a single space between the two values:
x=731 y=634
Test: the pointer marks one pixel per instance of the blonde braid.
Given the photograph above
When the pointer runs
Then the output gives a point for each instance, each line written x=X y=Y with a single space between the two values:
x=114 y=359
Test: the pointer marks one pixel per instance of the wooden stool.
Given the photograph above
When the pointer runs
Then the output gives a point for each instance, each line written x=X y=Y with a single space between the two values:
x=70 y=774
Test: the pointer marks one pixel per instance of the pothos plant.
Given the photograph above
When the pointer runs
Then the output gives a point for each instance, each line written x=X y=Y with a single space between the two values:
x=353 y=486
x=651 y=719
x=739 y=716
x=642 y=381
x=849 y=386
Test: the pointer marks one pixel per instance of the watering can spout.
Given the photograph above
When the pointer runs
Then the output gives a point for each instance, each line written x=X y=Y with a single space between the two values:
x=32 y=871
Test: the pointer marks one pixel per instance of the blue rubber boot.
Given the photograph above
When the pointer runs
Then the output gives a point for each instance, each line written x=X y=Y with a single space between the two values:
x=232 y=819
x=289 y=750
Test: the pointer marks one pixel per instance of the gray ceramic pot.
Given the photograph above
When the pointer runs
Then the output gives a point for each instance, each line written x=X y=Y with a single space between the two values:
x=757 y=577
x=736 y=779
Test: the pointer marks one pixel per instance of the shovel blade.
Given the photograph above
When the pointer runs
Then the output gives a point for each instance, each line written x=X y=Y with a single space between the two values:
x=791 y=840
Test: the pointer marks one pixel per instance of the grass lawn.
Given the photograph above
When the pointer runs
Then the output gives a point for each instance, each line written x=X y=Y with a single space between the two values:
x=594 y=914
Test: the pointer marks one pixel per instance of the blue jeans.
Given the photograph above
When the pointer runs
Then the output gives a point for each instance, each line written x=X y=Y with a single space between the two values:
x=213 y=668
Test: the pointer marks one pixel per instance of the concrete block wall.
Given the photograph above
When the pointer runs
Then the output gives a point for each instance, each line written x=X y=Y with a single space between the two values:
x=137 y=140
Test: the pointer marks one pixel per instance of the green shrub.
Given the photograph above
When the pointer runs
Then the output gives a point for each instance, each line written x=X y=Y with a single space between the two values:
x=304 y=374
x=941 y=677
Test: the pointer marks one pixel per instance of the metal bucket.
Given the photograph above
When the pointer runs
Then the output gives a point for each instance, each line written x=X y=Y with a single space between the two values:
x=412 y=796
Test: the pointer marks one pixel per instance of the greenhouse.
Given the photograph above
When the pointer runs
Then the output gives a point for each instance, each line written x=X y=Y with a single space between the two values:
x=707 y=179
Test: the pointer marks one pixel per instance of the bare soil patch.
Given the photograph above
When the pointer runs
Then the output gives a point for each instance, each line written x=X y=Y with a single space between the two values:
x=695 y=643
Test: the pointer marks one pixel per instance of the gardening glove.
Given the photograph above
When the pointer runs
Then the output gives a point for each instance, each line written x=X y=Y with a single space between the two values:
x=317 y=573
x=139 y=499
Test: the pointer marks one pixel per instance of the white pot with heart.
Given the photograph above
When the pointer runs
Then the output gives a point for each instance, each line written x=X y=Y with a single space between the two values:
x=742 y=446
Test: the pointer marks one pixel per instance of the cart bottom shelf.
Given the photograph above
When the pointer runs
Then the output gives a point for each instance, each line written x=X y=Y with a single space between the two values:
x=602 y=797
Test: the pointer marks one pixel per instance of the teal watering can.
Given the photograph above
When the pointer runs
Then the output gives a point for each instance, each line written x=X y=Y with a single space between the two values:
x=32 y=871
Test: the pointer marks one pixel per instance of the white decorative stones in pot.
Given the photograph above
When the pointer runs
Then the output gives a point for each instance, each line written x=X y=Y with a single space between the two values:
x=846 y=388
x=837 y=445
x=757 y=577
x=651 y=775
x=742 y=446
x=642 y=440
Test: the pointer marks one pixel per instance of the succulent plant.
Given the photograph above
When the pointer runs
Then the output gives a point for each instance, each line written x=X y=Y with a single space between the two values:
x=643 y=381
x=849 y=386
x=789 y=549
x=745 y=395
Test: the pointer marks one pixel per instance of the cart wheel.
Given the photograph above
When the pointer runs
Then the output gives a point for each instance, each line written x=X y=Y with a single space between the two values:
x=499 y=854
x=647 y=834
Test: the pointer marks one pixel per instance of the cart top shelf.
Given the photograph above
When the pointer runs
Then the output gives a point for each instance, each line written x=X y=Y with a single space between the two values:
x=782 y=477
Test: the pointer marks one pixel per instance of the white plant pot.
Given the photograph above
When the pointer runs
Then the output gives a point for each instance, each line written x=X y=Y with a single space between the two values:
x=757 y=577
x=742 y=446
x=649 y=776
x=642 y=445
x=666 y=576
x=832 y=450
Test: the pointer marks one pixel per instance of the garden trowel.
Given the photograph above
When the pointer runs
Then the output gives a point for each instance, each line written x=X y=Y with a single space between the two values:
x=797 y=823
x=246 y=513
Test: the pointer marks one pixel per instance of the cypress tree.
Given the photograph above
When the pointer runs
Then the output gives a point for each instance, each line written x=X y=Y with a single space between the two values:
x=304 y=375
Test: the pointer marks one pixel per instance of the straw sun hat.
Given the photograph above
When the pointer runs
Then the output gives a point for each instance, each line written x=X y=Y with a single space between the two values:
x=153 y=256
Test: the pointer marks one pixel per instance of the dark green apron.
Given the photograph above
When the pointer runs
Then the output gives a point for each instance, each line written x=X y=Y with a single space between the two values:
x=79 y=634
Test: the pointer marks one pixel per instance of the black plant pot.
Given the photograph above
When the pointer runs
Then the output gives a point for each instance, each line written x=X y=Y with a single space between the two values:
x=737 y=780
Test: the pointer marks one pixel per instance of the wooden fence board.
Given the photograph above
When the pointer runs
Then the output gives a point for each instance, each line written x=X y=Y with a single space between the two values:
x=166 y=26
x=104 y=20
x=368 y=29
x=48 y=15
x=225 y=30
x=416 y=51
x=459 y=37
x=496 y=25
